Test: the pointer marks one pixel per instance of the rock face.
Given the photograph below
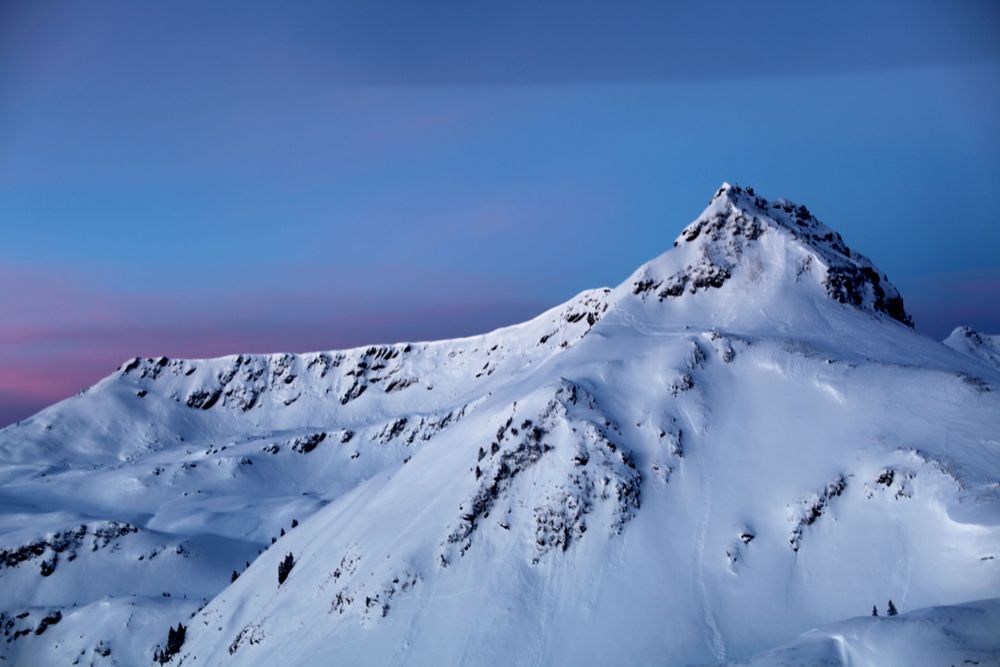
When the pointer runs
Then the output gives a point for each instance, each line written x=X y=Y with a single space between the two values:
x=633 y=477
x=727 y=238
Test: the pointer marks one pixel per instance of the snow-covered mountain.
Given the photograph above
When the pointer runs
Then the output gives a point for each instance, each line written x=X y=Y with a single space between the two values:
x=743 y=441
x=981 y=346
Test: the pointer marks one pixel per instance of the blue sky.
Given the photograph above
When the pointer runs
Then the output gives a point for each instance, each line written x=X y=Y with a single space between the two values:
x=193 y=180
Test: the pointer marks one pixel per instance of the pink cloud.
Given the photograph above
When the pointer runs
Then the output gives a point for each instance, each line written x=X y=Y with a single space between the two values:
x=66 y=332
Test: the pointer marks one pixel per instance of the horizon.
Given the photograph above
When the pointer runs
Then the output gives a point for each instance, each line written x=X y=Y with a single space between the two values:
x=336 y=175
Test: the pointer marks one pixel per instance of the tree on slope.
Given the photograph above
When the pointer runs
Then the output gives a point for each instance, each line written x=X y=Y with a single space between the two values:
x=284 y=567
x=175 y=639
x=892 y=609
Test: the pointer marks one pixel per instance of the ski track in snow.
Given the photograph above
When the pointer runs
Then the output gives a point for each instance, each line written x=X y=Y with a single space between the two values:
x=541 y=645
x=713 y=636
x=903 y=569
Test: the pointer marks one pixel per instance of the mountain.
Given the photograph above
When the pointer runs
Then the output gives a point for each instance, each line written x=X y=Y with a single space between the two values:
x=977 y=345
x=744 y=440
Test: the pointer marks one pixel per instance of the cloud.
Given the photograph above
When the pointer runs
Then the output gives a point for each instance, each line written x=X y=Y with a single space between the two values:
x=66 y=331
x=489 y=43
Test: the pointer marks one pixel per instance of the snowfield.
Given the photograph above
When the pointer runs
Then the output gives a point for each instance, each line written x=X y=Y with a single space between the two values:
x=731 y=456
x=963 y=634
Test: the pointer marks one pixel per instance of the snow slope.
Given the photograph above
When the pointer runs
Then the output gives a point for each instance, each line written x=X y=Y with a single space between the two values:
x=744 y=440
x=980 y=346
x=964 y=634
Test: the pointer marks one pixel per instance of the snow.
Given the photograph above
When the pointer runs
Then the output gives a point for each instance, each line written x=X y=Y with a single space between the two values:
x=975 y=344
x=963 y=634
x=744 y=440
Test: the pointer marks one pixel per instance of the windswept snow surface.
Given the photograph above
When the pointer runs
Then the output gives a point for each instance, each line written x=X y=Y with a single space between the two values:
x=963 y=634
x=744 y=440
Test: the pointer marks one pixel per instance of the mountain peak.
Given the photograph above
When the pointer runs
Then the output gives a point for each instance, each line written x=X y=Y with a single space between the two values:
x=734 y=204
x=741 y=232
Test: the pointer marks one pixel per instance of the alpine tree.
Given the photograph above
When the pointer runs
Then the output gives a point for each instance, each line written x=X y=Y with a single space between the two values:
x=284 y=567
x=175 y=639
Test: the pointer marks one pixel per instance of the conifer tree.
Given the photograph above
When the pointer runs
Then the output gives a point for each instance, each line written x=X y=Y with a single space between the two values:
x=175 y=639
x=284 y=567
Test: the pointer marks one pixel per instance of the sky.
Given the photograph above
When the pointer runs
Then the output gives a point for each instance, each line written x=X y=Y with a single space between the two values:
x=197 y=179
